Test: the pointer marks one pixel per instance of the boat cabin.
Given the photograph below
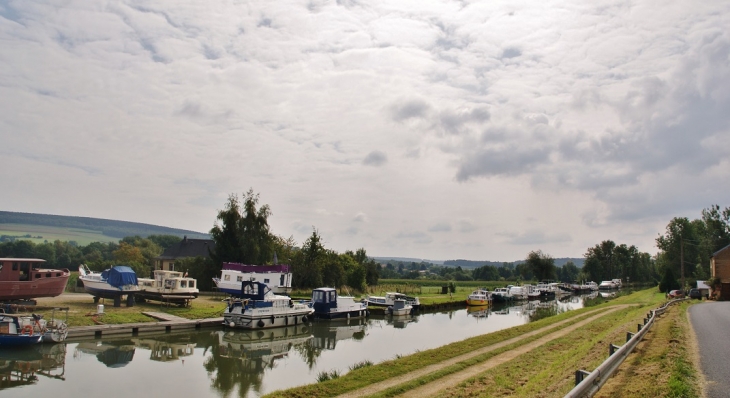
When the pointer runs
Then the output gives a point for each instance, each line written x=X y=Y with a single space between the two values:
x=324 y=298
x=26 y=270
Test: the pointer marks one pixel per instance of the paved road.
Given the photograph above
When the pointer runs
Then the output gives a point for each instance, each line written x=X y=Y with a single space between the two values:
x=711 y=322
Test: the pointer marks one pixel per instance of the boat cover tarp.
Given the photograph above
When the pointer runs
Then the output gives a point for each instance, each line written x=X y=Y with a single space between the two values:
x=120 y=275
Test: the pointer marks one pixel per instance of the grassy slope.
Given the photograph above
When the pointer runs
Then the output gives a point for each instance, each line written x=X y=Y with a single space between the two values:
x=82 y=236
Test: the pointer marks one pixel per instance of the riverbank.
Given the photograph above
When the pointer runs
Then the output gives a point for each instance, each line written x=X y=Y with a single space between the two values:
x=537 y=359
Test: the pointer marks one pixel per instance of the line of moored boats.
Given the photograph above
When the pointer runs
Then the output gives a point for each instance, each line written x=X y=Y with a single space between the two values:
x=540 y=291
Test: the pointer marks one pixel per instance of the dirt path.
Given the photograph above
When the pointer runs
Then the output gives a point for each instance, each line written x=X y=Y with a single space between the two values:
x=432 y=389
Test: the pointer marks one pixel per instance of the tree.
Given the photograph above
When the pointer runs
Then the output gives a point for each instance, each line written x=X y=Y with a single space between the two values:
x=243 y=234
x=569 y=272
x=541 y=265
x=165 y=241
x=309 y=262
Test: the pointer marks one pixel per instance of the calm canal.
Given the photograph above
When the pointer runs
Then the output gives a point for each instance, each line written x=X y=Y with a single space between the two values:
x=226 y=363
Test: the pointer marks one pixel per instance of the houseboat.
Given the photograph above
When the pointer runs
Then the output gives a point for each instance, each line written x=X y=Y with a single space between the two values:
x=259 y=308
x=113 y=283
x=25 y=279
x=276 y=277
x=168 y=286
x=389 y=299
x=328 y=305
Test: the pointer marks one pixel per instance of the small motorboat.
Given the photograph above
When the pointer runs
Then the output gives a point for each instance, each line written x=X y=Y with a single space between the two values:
x=328 y=305
x=168 y=287
x=24 y=330
x=479 y=297
x=389 y=299
x=400 y=307
x=259 y=308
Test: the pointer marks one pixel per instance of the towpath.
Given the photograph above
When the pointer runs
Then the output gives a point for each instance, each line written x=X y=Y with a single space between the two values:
x=435 y=387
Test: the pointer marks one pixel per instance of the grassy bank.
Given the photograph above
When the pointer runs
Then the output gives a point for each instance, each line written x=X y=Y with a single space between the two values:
x=553 y=364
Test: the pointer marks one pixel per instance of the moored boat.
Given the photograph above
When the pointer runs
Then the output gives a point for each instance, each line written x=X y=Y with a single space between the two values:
x=328 y=305
x=479 y=297
x=259 y=308
x=168 y=286
x=276 y=277
x=607 y=285
x=502 y=295
x=24 y=329
x=400 y=307
x=24 y=279
x=389 y=299
x=113 y=283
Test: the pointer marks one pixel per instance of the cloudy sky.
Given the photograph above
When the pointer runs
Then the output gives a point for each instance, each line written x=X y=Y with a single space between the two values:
x=432 y=129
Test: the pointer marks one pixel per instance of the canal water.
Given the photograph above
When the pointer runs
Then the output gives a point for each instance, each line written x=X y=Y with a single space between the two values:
x=233 y=363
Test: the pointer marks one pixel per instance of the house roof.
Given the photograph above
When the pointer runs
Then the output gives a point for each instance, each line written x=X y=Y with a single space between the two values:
x=188 y=248
x=719 y=251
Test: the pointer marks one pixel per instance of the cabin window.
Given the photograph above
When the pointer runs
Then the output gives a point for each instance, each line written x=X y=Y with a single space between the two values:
x=58 y=274
x=192 y=284
x=281 y=280
x=226 y=277
x=15 y=266
x=332 y=297
x=318 y=296
x=37 y=276
x=183 y=283
x=266 y=281
x=48 y=275
x=239 y=278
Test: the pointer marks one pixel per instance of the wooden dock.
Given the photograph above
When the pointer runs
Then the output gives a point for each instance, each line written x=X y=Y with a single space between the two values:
x=166 y=323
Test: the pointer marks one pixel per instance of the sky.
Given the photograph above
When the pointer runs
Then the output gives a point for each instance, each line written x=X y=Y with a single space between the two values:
x=477 y=130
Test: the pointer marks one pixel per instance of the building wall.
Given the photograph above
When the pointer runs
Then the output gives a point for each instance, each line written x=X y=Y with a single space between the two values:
x=720 y=265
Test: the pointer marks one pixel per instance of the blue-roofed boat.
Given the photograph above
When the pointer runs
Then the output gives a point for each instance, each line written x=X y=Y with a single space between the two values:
x=113 y=283
x=259 y=308
x=328 y=305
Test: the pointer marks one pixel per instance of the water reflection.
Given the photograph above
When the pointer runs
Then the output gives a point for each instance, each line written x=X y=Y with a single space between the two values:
x=21 y=366
x=114 y=354
x=220 y=362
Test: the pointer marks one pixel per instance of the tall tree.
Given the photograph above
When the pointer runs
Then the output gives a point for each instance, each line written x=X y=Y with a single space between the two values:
x=541 y=265
x=309 y=262
x=241 y=234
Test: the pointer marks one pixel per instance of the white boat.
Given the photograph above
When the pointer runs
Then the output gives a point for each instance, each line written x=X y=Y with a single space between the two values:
x=543 y=291
x=617 y=282
x=276 y=277
x=519 y=292
x=168 y=286
x=259 y=308
x=592 y=286
x=607 y=285
x=22 y=330
x=113 y=283
x=328 y=305
x=400 y=307
x=502 y=295
x=389 y=299
x=479 y=297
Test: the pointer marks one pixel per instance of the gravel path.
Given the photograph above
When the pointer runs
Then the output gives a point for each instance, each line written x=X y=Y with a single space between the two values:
x=433 y=388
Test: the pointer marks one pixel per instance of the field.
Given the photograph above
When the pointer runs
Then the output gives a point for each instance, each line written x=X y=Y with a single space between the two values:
x=41 y=233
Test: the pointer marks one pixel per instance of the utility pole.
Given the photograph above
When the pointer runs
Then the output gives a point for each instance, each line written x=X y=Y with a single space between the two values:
x=681 y=258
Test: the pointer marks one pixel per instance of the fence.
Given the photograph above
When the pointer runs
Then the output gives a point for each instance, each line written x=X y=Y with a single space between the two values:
x=588 y=383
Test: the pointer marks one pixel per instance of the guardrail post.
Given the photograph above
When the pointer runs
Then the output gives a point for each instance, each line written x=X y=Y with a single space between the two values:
x=646 y=320
x=638 y=327
x=612 y=348
x=579 y=375
x=629 y=335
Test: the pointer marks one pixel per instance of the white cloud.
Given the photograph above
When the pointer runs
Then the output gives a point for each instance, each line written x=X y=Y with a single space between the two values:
x=555 y=124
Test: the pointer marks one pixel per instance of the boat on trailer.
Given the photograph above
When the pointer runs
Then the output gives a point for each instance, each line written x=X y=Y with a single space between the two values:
x=328 y=305
x=257 y=307
x=169 y=287
x=113 y=283
x=25 y=279
x=277 y=277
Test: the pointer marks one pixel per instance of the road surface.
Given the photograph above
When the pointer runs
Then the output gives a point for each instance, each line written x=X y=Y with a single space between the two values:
x=711 y=321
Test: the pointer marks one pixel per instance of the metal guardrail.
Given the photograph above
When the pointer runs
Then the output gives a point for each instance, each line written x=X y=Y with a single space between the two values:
x=588 y=383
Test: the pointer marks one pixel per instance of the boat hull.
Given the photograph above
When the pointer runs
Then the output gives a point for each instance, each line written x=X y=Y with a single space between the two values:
x=20 y=340
x=266 y=321
x=477 y=302
x=26 y=290
x=341 y=314
x=105 y=290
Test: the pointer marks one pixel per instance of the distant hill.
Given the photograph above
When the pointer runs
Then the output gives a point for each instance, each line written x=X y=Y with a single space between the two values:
x=111 y=229
x=559 y=262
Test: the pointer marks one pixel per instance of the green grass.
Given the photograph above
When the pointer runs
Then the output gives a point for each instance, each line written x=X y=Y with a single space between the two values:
x=81 y=236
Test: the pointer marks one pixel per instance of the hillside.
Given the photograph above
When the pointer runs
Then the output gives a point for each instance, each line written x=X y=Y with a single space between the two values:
x=81 y=229
x=559 y=262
